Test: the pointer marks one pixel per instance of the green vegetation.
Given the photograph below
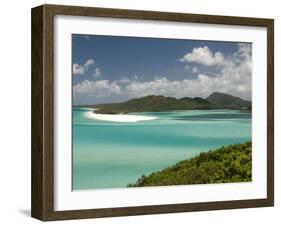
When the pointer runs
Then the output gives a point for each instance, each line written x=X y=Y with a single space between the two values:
x=152 y=104
x=160 y=103
x=228 y=101
x=232 y=163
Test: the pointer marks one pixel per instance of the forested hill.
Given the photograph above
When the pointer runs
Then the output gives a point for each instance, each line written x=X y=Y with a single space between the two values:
x=228 y=101
x=232 y=163
x=154 y=103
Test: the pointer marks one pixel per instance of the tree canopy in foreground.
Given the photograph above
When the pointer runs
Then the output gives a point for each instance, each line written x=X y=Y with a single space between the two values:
x=231 y=163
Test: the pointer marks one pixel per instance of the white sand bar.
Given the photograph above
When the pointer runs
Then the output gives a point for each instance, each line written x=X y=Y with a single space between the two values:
x=119 y=117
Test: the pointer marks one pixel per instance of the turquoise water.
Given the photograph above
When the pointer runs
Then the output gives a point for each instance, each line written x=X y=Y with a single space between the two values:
x=113 y=154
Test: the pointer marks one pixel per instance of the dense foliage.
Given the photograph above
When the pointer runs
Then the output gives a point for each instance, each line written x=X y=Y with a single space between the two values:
x=228 y=101
x=232 y=163
x=154 y=103
x=151 y=104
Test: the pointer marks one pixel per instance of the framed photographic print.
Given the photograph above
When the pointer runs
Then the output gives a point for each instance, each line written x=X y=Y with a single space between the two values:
x=141 y=112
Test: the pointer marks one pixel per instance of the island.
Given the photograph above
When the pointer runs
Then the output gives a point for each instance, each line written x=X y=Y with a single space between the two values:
x=158 y=103
x=232 y=163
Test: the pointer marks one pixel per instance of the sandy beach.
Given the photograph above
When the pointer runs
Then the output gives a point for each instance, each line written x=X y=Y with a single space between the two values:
x=119 y=117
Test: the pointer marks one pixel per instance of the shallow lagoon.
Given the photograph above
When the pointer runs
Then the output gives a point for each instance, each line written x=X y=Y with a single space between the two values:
x=110 y=154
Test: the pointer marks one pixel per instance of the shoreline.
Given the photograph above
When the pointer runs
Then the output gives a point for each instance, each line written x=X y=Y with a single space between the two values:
x=118 y=117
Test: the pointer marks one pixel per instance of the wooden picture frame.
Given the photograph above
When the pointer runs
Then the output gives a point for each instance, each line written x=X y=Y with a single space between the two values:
x=42 y=204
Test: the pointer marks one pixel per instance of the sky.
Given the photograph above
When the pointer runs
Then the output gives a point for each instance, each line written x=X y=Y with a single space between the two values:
x=108 y=69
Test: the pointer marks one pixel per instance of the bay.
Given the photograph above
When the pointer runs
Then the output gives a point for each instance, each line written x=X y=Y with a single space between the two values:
x=109 y=154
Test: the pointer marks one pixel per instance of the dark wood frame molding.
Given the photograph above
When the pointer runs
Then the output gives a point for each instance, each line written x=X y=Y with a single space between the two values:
x=42 y=203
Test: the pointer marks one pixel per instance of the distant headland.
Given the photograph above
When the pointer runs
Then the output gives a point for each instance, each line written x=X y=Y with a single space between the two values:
x=157 y=103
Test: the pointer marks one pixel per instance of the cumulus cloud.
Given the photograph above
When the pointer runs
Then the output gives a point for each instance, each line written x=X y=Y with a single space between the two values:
x=203 y=55
x=97 y=73
x=166 y=87
x=78 y=69
x=124 y=80
x=160 y=86
x=100 y=88
x=202 y=86
x=233 y=76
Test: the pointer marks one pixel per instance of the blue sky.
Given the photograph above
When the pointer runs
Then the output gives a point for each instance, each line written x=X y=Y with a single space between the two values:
x=114 y=68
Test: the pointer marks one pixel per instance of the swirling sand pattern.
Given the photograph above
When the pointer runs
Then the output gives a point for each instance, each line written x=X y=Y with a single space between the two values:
x=112 y=154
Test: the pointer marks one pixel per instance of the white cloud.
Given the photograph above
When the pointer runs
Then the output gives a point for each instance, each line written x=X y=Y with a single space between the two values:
x=163 y=86
x=89 y=63
x=233 y=77
x=97 y=73
x=78 y=69
x=245 y=51
x=203 y=55
x=124 y=80
x=100 y=88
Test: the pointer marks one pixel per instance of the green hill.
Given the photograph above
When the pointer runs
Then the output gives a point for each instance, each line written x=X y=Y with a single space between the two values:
x=154 y=103
x=232 y=163
x=228 y=101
